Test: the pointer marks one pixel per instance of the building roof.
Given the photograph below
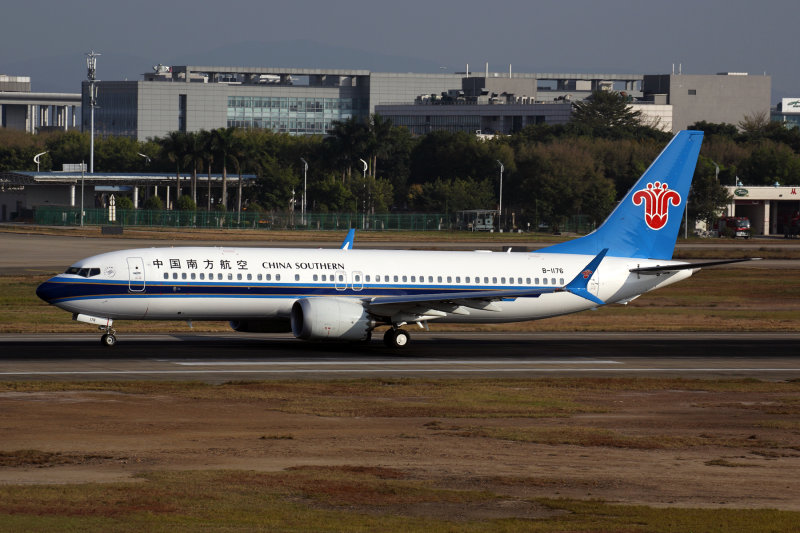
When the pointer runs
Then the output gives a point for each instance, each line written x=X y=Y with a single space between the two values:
x=21 y=177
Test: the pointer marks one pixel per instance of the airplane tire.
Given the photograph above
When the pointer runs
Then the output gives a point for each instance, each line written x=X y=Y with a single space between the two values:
x=396 y=338
x=108 y=340
x=388 y=337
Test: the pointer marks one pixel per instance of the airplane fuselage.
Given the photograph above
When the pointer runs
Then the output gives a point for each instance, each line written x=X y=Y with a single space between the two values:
x=192 y=283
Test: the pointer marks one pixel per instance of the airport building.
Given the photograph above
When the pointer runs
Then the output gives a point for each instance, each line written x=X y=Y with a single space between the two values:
x=302 y=101
x=297 y=101
x=768 y=208
x=21 y=109
x=726 y=97
x=787 y=112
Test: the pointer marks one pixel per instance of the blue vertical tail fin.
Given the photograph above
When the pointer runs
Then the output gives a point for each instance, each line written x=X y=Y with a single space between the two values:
x=645 y=224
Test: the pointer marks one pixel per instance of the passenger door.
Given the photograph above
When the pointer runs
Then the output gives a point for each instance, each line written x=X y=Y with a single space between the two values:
x=136 y=281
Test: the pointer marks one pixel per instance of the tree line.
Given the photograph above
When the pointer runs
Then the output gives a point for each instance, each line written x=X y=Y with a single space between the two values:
x=550 y=172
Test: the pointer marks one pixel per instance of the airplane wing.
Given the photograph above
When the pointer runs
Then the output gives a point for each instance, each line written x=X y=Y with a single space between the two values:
x=436 y=305
x=688 y=266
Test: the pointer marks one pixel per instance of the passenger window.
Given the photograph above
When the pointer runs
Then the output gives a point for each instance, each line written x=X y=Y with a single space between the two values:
x=511 y=280
x=519 y=281
x=297 y=277
x=366 y=278
x=249 y=277
x=449 y=279
x=239 y=277
x=405 y=279
x=315 y=277
x=386 y=279
x=536 y=281
x=268 y=277
x=553 y=280
x=396 y=279
x=341 y=277
x=277 y=277
x=174 y=275
x=230 y=277
x=166 y=276
x=527 y=281
x=356 y=278
x=194 y=276
x=202 y=275
x=458 y=279
x=561 y=281
x=467 y=280
x=438 y=279
x=494 y=280
x=259 y=277
x=486 y=280
x=413 y=279
x=430 y=279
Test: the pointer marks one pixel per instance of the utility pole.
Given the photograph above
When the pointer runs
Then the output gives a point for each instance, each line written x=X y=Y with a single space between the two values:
x=303 y=204
x=91 y=65
x=500 y=216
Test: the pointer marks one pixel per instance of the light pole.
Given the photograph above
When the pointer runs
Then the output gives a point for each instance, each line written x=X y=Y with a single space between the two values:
x=303 y=205
x=36 y=159
x=364 y=194
x=500 y=215
x=83 y=169
x=91 y=65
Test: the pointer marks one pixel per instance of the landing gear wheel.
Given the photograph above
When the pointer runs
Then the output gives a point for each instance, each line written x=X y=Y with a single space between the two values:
x=108 y=340
x=396 y=338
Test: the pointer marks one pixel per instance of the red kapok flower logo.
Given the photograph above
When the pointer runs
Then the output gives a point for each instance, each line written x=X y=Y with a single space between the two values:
x=656 y=198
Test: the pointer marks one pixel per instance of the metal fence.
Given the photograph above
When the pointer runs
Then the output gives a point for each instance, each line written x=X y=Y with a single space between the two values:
x=71 y=216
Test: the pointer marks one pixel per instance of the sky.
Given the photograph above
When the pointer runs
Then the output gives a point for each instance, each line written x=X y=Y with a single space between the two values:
x=48 y=39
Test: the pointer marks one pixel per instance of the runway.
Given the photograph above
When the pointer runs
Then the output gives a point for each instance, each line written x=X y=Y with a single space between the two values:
x=216 y=358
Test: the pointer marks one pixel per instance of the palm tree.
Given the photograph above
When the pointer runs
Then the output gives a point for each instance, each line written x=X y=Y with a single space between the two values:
x=206 y=139
x=175 y=147
x=195 y=156
x=223 y=140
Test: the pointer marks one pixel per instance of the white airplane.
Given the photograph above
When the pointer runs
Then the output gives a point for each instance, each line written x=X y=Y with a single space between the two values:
x=344 y=294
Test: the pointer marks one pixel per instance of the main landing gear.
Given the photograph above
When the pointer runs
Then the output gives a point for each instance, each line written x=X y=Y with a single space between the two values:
x=396 y=338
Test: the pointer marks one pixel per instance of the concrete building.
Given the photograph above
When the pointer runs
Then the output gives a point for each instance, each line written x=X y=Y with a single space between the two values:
x=723 y=98
x=303 y=101
x=21 y=109
x=290 y=100
x=501 y=103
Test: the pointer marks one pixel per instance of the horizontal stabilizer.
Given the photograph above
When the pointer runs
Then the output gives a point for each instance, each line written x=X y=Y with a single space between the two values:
x=689 y=266
x=580 y=283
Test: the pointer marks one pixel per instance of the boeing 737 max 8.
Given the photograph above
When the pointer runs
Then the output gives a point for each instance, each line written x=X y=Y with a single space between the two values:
x=344 y=294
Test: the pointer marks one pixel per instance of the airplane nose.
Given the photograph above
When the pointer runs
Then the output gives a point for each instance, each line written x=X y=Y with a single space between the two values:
x=46 y=291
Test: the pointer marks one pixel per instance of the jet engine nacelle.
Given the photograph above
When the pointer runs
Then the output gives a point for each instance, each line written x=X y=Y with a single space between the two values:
x=318 y=319
x=274 y=325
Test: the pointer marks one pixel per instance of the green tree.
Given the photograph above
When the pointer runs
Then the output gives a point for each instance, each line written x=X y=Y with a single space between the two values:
x=185 y=203
x=176 y=149
x=154 y=203
x=222 y=143
x=605 y=113
x=770 y=163
x=707 y=196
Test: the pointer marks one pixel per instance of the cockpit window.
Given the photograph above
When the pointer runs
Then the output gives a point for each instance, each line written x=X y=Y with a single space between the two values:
x=83 y=272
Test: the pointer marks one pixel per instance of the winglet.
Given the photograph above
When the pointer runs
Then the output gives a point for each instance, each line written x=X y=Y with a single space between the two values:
x=348 y=241
x=580 y=283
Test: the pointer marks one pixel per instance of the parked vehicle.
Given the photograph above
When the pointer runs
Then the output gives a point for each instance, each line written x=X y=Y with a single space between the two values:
x=791 y=228
x=732 y=227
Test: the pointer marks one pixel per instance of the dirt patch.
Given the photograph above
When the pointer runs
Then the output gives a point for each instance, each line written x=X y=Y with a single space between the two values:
x=688 y=448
